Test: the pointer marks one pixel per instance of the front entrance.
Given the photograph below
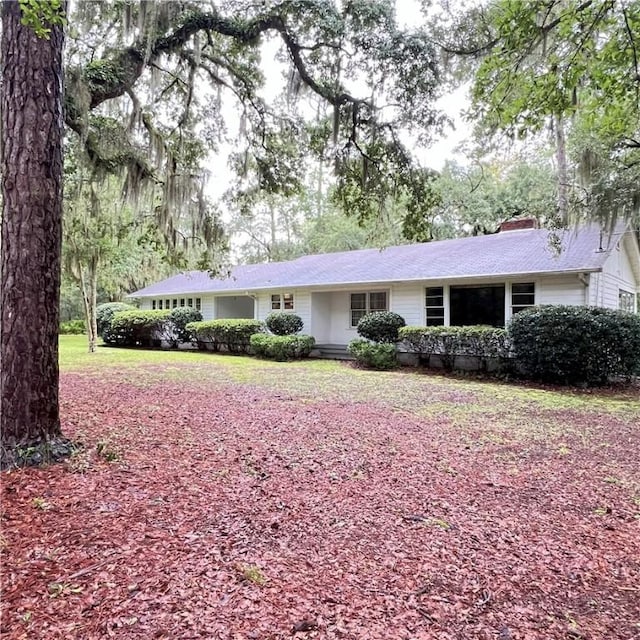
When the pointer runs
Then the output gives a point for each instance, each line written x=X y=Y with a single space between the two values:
x=482 y=304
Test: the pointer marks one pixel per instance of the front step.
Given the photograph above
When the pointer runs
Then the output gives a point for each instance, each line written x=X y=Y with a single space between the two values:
x=331 y=352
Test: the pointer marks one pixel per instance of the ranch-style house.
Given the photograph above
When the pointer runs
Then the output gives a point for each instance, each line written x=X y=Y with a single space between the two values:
x=474 y=280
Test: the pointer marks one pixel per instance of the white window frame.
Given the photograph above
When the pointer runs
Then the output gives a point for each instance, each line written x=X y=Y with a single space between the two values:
x=626 y=300
x=514 y=308
x=282 y=301
x=368 y=307
x=427 y=306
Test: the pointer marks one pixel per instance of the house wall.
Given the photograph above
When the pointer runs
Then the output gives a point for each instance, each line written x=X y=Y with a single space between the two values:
x=561 y=290
x=617 y=273
x=301 y=304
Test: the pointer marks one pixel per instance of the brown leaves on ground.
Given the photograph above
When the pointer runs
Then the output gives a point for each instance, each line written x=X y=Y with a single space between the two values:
x=235 y=512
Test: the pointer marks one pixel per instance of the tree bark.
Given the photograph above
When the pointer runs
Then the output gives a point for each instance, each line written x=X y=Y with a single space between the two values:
x=31 y=165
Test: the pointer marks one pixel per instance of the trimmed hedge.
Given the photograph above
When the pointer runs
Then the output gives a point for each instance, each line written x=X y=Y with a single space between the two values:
x=576 y=345
x=281 y=348
x=234 y=335
x=479 y=341
x=374 y=355
x=284 y=324
x=72 y=327
x=381 y=326
x=106 y=311
x=180 y=317
x=138 y=328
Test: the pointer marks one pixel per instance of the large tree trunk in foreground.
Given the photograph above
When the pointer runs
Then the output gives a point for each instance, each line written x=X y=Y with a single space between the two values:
x=31 y=165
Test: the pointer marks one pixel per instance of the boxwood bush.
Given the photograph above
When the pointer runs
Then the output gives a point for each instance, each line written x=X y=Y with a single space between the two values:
x=480 y=341
x=576 y=345
x=381 y=326
x=138 y=328
x=284 y=324
x=106 y=311
x=180 y=317
x=233 y=335
x=282 y=348
x=374 y=355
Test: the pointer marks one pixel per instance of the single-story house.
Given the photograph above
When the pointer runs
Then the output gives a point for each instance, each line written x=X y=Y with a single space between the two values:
x=474 y=280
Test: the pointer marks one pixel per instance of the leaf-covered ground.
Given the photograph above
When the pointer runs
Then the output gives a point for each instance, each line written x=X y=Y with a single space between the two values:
x=224 y=497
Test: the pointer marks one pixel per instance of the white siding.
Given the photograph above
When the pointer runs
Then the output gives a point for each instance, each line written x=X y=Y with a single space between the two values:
x=145 y=304
x=207 y=308
x=617 y=273
x=301 y=304
x=561 y=290
x=408 y=300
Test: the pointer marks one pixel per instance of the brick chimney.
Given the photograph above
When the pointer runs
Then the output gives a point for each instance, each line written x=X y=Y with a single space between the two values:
x=520 y=223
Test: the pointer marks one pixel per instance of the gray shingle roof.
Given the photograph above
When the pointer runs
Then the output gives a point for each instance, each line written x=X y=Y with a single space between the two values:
x=523 y=252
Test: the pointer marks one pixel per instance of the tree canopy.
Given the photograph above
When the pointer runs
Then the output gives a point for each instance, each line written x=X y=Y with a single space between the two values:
x=572 y=65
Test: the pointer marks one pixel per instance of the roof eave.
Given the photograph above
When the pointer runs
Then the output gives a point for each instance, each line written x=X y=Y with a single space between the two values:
x=387 y=281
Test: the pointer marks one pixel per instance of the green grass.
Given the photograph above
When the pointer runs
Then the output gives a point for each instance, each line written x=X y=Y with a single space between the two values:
x=464 y=401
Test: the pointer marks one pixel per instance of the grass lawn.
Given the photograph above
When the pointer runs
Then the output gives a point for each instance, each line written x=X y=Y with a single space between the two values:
x=227 y=497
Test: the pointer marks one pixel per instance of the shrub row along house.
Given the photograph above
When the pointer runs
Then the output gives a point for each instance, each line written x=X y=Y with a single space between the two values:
x=466 y=281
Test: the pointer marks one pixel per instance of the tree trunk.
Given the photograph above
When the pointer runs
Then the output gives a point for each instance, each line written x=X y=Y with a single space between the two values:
x=563 y=173
x=31 y=166
x=89 y=291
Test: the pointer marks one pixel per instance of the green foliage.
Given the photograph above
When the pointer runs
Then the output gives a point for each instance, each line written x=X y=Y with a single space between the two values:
x=105 y=313
x=72 y=327
x=576 y=345
x=282 y=347
x=380 y=356
x=180 y=317
x=138 y=328
x=41 y=15
x=479 y=341
x=569 y=61
x=475 y=199
x=234 y=335
x=381 y=326
x=284 y=324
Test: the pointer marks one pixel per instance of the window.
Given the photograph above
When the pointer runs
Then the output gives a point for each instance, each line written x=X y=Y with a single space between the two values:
x=159 y=304
x=174 y=304
x=435 y=306
x=477 y=304
x=626 y=301
x=523 y=296
x=363 y=303
x=189 y=302
x=282 y=301
x=182 y=302
x=167 y=304
x=198 y=304
x=153 y=304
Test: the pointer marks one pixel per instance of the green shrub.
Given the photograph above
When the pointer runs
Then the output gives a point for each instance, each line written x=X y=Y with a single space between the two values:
x=138 y=328
x=234 y=335
x=282 y=348
x=482 y=342
x=284 y=324
x=72 y=327
x=381 y=326
x=373 y=355
x=576 y=345
x=180 y=317
x=106 y=311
